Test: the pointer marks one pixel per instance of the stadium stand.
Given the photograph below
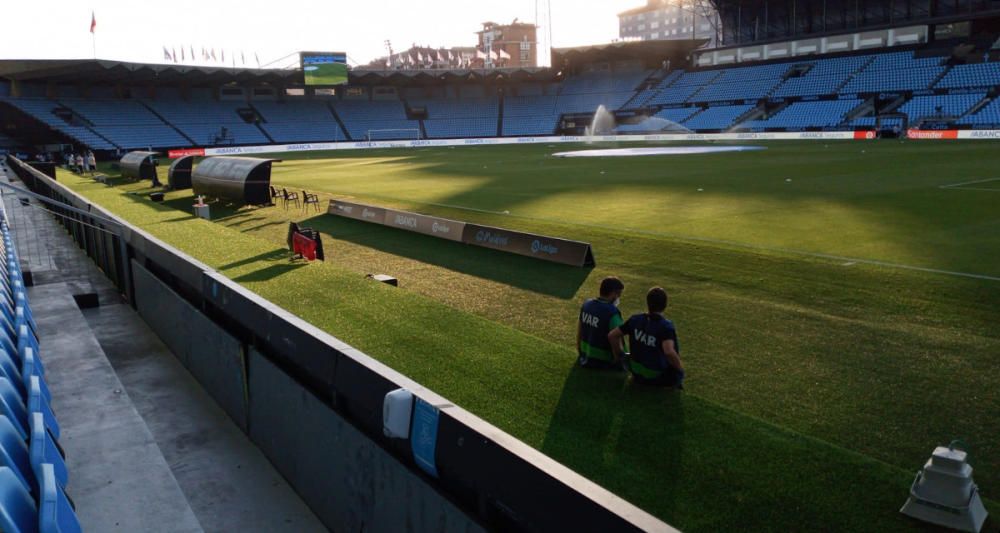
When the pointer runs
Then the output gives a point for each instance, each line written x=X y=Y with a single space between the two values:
x=530 y=115
x=126 y=123
x=466 y=117
x=971 y=76
x=383 y=119
x=987 y=116
x=814 y=114
x=33 y=473
x=583 y=93
x=533 y=108
x=44 y=110
x=299 y=121
x=942 y=106
x=208 y=121
x=896 y=71
x=717 y=118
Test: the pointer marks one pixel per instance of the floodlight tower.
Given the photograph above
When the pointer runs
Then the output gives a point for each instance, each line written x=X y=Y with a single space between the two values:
x=543 y=32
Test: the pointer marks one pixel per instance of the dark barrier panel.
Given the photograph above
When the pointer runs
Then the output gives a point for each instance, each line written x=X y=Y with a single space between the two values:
x=179 y=173
x=213 y=357
x=243 y=180
x=45 y=167
x=563 y=251
x=139 y=165
x=314 y=406
x=361 y=483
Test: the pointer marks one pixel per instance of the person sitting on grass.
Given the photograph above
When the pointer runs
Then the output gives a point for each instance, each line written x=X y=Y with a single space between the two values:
x=655 y=357
x=598 y=316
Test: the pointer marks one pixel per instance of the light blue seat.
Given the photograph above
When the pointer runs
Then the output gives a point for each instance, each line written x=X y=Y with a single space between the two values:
x=18 y=513
x=13 y=407
x=38 y=404
x=9 y=370
x=26 y=339
x=14 y=454
x=55 y=512
x=28 y=369
x=44 y=449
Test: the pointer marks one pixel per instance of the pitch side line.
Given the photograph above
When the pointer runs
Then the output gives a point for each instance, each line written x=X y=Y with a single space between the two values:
x=791 y=251
x=962 y=185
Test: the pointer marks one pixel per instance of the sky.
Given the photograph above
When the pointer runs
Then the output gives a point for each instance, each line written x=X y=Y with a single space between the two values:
x=135 y=30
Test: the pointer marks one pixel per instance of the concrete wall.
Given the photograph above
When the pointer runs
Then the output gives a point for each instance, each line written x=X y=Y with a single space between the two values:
x=350 y=482
x=213 y=357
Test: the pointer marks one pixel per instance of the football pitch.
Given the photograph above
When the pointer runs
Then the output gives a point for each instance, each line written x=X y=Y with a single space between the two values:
x=838 y=306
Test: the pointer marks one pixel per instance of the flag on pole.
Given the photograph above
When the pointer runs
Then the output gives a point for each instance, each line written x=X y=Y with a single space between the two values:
x=166 y=53
x=93 y=22
x=213 y=55
x=243 y=57
x=255 y=56
x=192 y=52
x=223 y=54
x=173 y=54
x=183 y=56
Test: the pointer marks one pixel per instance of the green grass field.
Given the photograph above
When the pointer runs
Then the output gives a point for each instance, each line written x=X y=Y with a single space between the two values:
x=836 y=327
x=325 y=74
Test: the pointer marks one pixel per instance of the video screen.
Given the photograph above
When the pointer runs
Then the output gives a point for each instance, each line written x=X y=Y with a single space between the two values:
x=324 y=68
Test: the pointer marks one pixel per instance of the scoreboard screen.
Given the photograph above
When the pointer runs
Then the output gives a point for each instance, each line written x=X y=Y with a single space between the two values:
x=324 y=68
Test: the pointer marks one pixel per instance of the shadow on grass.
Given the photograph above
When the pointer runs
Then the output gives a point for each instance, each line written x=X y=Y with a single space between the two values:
x=269 y=273
x=553 y=279
x=278 y=254
x=628 y=423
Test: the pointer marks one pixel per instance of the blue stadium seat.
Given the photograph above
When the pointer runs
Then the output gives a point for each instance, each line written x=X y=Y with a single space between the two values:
x=43 y=449
x=18 y=513
x=12 y=406
x=15 y=455
x=55 y=513
x=37 y=403
x=29 y=368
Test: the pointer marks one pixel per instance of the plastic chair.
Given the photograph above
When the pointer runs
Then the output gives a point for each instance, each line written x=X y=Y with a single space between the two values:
x=29 y=367
x=10 y=371
x=26 y=339
x=13 y=408
x=18 y=513
x=55 y=511
x=44 y=449
x=38 y=404
x=15 y=455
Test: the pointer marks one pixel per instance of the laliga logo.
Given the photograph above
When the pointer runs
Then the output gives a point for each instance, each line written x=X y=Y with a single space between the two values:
x=537 y=246
x=367 y=214
x=440 y=228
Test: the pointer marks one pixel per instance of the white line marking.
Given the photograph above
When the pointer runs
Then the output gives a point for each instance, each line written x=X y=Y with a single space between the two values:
x=957 y=185
x=790 y=251
x=971 y=189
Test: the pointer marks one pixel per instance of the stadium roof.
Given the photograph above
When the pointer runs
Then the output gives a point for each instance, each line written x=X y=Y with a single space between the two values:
x=646 y=50
x=105 y=71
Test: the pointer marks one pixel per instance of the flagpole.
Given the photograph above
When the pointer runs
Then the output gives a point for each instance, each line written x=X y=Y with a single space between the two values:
x=93 y=42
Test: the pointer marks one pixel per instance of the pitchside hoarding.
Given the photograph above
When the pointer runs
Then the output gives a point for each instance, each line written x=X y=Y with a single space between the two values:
x=553 y=249
x=435 y=227
x=573 y=253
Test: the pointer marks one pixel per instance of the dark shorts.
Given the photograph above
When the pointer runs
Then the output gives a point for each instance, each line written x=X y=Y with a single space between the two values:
x=671 y=377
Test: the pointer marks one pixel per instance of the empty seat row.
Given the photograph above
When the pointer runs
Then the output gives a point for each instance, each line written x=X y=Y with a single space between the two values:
x=33 y=473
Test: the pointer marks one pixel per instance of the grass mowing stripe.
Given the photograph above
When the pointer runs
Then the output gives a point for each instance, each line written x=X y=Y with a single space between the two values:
x=699 y=466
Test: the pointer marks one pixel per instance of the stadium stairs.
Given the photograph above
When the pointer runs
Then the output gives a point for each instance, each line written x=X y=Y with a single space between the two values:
x=144 y=446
